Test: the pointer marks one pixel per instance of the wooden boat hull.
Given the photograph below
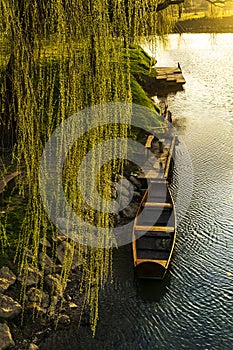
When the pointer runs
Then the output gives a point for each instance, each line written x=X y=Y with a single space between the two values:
x=154 y=233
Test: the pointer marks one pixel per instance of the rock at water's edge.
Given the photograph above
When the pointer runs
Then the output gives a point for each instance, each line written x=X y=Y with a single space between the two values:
x=7 y=278
x=9 y=308
x=130 y=211
x=5 y=339
x=33 y=276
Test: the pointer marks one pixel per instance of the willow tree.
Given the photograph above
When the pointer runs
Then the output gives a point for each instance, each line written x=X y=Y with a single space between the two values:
x=64 y=57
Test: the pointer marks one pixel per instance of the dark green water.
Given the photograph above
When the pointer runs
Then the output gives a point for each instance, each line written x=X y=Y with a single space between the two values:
x=193 y=307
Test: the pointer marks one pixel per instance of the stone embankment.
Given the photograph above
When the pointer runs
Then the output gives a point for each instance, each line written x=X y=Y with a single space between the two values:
x=45 y=311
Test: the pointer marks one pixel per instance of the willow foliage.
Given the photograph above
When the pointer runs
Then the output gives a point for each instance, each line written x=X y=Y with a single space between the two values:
x=63 y=57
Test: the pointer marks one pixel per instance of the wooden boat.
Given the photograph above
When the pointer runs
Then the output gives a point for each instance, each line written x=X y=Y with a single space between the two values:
x=154 y=232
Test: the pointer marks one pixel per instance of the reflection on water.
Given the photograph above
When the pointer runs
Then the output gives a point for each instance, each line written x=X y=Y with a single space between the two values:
x=152 y=290
x=193 y=308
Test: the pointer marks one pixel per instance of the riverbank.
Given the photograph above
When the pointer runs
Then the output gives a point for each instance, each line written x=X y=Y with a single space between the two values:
x=205 y=25
x=37 y=303
x=44 y=313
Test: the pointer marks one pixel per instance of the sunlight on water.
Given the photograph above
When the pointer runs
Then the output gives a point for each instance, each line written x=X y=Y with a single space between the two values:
x=198 y=42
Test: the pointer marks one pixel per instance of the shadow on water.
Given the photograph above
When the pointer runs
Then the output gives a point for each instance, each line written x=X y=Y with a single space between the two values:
x=147 y=290
x=152 y=290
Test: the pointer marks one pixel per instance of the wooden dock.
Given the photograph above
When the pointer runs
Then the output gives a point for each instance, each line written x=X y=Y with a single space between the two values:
x=166 y=80
x=170 y=75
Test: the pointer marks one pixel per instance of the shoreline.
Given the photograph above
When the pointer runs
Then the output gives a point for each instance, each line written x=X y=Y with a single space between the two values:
x=204 y=25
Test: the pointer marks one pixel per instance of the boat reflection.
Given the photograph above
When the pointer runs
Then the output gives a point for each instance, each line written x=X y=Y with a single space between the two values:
x=153 y=290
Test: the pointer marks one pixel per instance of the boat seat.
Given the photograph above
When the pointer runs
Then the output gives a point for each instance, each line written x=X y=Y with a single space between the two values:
x=155 y=228
x=157 y=204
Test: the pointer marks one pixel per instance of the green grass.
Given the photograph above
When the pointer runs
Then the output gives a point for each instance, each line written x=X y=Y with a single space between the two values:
x=140 y=62
x=140 y=97
x=141 y=65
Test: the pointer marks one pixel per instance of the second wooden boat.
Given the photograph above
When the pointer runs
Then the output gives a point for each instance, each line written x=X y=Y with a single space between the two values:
x=154 y=232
